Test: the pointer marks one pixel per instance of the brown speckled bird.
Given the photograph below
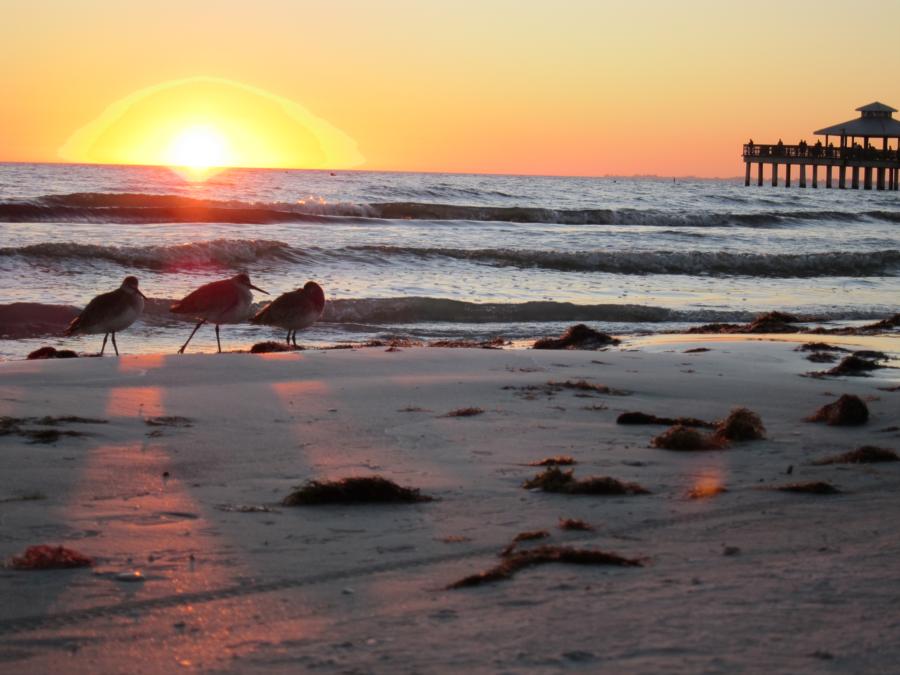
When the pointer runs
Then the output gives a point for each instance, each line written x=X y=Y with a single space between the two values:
x=109 y=313
x=294 y=310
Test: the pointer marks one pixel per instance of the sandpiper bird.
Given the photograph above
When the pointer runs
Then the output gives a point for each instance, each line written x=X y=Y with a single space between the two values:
x=226 y=301
x=110 y=313
x=294 y=310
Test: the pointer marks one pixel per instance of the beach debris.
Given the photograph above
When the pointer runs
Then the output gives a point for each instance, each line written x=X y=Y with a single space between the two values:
x=731 y=550
x=896 y=388
x=44 y=557
x=683 y=438
x=848 y=410
x=645 y=418
x=455 y=539
x=578 y=336
x=14 y=426
x=518 y=560
x=464 y=412
x=270 y=347
x=769 y=322
x=559 y=460
x=851 y=366
x=493 y=343
x=867 y=454
x=819 y=487
x=696 y=350
x=555 y=480
x=706 y=490
x=821 y=357
x=884 y=324
x=585 y=386
x=742 y=424
x=819 y=347
x=413 y=409
x=51 y=353
x=353 y=490
x=524 y=536
x=575 y=525
x=169 y=421
x=25 y=497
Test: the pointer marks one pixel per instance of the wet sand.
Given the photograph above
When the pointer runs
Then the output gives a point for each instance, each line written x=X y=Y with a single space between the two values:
x=183 y=483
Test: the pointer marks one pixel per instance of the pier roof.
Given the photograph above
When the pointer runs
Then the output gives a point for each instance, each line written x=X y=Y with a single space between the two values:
x=876 y=121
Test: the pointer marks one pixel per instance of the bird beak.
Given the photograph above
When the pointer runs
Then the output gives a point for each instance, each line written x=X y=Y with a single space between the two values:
x=257 y=288
x=140 y=294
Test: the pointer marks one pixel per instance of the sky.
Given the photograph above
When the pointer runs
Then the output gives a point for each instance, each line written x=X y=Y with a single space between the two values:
x=565 y=87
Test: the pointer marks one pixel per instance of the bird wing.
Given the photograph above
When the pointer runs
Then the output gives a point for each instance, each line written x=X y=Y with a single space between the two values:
x=212 y=298
x=99 y=310
x=283 y=307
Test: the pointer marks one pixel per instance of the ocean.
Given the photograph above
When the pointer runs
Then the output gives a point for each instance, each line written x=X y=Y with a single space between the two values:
x=439 y=256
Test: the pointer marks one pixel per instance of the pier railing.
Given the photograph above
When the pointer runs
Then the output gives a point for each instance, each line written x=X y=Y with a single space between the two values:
x=819 y=152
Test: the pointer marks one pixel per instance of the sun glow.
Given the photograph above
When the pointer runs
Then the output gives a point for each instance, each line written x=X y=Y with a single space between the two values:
x=200 y=125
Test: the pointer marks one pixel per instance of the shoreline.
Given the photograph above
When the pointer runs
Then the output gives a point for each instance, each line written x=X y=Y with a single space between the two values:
x=182 y=480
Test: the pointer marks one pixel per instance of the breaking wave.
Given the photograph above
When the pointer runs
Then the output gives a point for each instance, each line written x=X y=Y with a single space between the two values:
x=140 y=208
x=224 y=253
x=240 y=253
x=22 y=320
x=712 y=263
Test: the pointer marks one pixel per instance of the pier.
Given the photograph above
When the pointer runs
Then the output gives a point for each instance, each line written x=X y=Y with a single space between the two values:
x=857 y=156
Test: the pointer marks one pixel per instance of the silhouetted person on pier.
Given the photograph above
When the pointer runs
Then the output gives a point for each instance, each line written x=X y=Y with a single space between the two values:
x=779 y=147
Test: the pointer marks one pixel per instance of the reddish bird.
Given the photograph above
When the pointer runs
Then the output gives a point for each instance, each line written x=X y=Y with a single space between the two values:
x=294 y=310
x=226 y=301
x=110 y=313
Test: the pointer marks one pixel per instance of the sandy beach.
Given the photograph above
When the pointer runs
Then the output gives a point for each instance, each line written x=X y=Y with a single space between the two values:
x=181 y=475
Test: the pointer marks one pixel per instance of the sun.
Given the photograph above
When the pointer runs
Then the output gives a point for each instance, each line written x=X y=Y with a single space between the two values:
x=199 y=147
x=199 y=151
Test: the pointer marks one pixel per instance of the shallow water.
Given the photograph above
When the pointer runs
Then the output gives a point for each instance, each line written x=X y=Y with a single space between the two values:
x=440 y=255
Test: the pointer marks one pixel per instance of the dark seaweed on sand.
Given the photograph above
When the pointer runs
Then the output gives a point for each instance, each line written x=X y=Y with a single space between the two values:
x=519 y=560
x=575 y=524
x=848 y=410
x=272 y=347
x=819 y=347
x=853 y=366
x=355 y=490
x=169 y=421
x=559 y=460
x=51 y=353
x=742 y=424
x=682 y=438
x=564 y=482
x=867 y=454
x=578 y=336
x=645 y=418
x=464 y=412
x=813 y=488
x=15 y=426
x=822 y=357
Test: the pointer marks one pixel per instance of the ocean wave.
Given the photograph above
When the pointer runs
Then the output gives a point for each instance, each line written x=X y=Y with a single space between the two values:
x=24 y=320
x=218 y=253
x=138 y=208
x=694 y=263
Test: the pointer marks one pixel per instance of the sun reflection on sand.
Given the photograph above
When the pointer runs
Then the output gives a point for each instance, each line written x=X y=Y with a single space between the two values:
x=141 y=362
x=134 y=401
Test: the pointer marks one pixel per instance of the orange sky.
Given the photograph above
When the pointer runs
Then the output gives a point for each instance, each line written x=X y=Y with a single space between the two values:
x=583 y=87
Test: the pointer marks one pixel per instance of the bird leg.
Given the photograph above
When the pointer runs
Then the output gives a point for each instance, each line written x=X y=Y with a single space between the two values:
x=105 y=335
x=181 y=351
x=287 y=340
x=294 y=338
x=115 y=346
x=217 y=339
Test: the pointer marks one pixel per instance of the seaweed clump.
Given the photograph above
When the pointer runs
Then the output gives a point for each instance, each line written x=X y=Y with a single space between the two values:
x=682 y=438
x=354 y=490
x=564 y=482
x=559 y=460
x=271 y=347
x=578 y=336
x=867 y=454
x=742 y=424
x=464 y=412
x=813 y=487
x=645 y=418
x=515 y=561
x=853 y=366
x=575 y=524
x=45 y=557
x=849 y=410
x=51 y=353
